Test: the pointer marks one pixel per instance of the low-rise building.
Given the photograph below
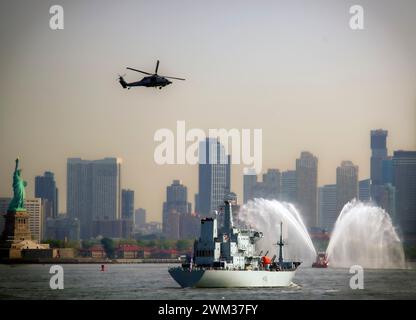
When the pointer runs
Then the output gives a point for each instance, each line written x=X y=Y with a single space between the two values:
x=96 y=251
x=128 y=251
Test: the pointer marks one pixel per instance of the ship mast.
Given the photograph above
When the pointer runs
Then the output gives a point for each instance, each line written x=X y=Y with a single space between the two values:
x=280 y=244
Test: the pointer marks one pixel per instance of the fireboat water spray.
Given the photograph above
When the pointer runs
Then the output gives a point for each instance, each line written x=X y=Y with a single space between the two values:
x=364 y=235
x=267 y=215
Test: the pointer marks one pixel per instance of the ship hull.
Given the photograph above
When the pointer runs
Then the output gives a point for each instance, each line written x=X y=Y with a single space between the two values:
x=231 y=278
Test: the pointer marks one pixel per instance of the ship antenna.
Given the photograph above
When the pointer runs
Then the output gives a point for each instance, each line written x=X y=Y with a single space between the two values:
x=280 y=244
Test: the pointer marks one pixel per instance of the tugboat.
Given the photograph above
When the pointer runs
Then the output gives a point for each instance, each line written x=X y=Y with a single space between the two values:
x=321 y=261
x=227 y=259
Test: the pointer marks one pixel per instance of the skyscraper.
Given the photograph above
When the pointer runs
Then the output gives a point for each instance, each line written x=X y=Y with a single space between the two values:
x=106 y=189
x=328 y=206
x=127 y=204
x=36 y=219
x=93 y=191
x=249 y=181
x=62 y=228
x=214 y=179
x=364 y=190
x=347 y=184
x=268 y=189
x=288 y=188
x=385 y=197
x=79 y=190
x=45 y=188
x=378 y=154
x=176 y=205
x=196 y=199
x=189 y=225
x=307 y=188
x=140 y=217
x=228 y=175
x=404 y=180
x=387 y=170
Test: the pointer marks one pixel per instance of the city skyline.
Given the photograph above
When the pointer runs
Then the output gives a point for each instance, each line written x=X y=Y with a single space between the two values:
x=390 y=171
x=239 y=195
x=297 y=71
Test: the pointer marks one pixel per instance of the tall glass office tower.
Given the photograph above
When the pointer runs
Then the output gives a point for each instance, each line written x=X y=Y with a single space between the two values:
x=214 y=177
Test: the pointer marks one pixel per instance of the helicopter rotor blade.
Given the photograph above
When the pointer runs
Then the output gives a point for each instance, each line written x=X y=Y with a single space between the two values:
x=139 y=71
x=173 y=78
x=157 y=66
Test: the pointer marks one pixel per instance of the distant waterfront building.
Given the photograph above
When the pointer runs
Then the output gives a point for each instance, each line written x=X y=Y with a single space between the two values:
x=139 y=217
x=45 y=188
x=189 y=225
x=364 y=192
x=93 y=191
x=171 y=225
x=176 y=205
x=127 y=204
x=347 y=184
x=307 y=188
x=214 y=178
x=120 y=228
x=328 y=214
x=152 y=227
x=288 y=188
x=62 y=228
x=378 y=154
x=404 y=180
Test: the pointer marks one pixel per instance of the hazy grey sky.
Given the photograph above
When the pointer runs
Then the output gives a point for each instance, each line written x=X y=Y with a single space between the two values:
x=292 y=68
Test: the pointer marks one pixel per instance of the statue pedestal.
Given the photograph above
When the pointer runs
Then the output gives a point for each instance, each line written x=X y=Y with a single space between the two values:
x=16 y=228
x=16 y=231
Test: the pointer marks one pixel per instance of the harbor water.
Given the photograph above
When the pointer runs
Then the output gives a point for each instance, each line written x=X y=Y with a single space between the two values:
x=152 y=281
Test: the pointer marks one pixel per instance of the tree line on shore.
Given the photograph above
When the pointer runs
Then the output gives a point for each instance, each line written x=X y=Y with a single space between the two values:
x=180 y=245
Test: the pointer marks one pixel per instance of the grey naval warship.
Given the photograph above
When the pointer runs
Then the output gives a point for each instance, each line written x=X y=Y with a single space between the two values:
x=228 y=259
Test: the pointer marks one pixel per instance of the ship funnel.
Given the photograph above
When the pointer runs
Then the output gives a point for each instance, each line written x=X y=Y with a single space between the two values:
x=228 y=217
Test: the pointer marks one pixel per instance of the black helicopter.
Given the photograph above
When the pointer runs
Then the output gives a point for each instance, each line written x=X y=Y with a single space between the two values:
x=153 y=80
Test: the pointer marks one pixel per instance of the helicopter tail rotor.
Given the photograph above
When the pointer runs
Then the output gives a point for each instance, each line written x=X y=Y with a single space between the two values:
x=122 y=81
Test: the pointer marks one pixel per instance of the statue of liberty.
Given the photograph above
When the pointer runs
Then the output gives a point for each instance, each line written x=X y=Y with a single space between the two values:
x=19 y=194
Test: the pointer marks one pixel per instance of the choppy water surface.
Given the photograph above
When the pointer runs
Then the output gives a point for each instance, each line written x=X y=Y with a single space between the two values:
x=152 y=281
